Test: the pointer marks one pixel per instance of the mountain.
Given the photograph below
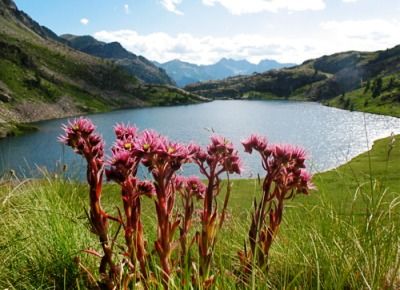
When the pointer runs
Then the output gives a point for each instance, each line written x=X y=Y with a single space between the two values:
x=185 y=73
x=363 y=81
x=8 y=8
x=138 y=66
x=42 y=78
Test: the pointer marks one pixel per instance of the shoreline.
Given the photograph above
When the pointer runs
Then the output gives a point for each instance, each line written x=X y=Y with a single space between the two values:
x=371 y=144
x=12 y=129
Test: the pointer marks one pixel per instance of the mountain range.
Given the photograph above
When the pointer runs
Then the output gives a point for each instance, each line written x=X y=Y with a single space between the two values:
x=43 y=77
x=354 y=80
x=138 y=66
x=184 y=73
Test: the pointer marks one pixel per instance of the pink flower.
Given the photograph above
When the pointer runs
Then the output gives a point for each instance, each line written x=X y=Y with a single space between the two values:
x=288 y=153
x=299 y=155
x=123 y=131
x=147 y=188
x=284 y=163
x=122 y=165
x=149 y=141
x=195 y=187
x=220 y=157
x=83 y=125
x=196 y=152
x=255 y=142
x=219 y=145
x=79 y=134
x=305 y=184
x=222 y=151
x=179 y=182
x=233 y=163
x=176 y=150
x=190 y=186
x=281 y=153
x=125 y=143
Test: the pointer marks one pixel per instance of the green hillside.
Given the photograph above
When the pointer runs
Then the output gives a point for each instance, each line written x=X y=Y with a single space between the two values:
x=363 y=81
x=41 y=78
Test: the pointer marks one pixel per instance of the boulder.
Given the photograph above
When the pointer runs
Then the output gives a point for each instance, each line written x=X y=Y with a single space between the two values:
x=4 y=97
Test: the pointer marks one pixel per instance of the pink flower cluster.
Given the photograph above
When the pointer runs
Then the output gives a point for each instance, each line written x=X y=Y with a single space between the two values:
x=81 y=136
x=285 y=176
x=220 y=157
x=285 y=164
x=147 y=147
x=190 y=187
x=124 y=161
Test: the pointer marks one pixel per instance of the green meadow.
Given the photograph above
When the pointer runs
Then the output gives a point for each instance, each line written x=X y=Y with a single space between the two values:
x=344 y=235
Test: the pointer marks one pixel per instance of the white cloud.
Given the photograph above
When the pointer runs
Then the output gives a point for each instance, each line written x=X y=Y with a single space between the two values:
x=126 y=9
x=350 y=1
x=84 y=21
x=163 y=47
x=238 y=7
x=170 y=5
x=372 y=34
x=334 y=36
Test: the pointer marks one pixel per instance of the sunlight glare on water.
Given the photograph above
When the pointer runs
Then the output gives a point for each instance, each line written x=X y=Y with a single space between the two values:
x=330 y=136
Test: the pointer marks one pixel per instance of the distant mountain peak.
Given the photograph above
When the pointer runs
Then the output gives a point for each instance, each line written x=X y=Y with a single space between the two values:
x=185 y=73
x=231 y=60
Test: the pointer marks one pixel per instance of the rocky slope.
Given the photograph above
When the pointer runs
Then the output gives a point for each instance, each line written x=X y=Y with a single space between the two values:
x=42 y=78
x=363 y=81
x=185 y=73
x=138 y=66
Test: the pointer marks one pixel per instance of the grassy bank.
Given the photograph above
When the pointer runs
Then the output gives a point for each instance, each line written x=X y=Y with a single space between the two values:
x=346 y=235
x=15 y=129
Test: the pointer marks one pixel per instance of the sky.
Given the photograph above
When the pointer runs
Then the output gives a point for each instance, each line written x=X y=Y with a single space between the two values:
x=204 y=31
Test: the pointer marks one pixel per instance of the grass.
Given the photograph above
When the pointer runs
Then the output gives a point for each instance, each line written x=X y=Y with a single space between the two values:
x=346 y=235
x=362 y=99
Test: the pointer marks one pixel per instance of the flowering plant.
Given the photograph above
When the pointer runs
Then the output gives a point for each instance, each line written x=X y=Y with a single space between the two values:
x=163 y=159
x=219 y=158
x=285 y=177
x=81 y=136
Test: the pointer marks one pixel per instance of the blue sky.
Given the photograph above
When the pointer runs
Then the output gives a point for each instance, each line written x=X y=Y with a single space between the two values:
x=203 y=31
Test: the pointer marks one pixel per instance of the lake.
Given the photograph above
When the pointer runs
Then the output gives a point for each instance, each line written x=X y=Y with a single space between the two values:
x=330 y=136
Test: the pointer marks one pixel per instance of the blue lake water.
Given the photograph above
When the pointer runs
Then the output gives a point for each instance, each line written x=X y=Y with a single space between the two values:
x=330 y=136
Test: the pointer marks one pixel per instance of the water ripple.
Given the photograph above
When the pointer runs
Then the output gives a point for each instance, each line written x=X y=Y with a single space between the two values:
x=330 y=136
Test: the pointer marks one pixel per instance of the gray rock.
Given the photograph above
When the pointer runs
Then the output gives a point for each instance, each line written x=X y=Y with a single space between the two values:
x=4 y=97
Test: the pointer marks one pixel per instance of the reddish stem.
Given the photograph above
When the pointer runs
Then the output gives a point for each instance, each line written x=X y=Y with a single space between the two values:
x=98 y=219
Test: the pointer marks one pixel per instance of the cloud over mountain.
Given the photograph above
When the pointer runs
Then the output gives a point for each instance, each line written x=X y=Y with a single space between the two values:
x=238 y=7
x=372 y=34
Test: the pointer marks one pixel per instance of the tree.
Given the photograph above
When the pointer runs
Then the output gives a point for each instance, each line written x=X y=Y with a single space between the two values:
x=391 y=83
x=377 y=87
x=346 y=104
x=367 y=87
